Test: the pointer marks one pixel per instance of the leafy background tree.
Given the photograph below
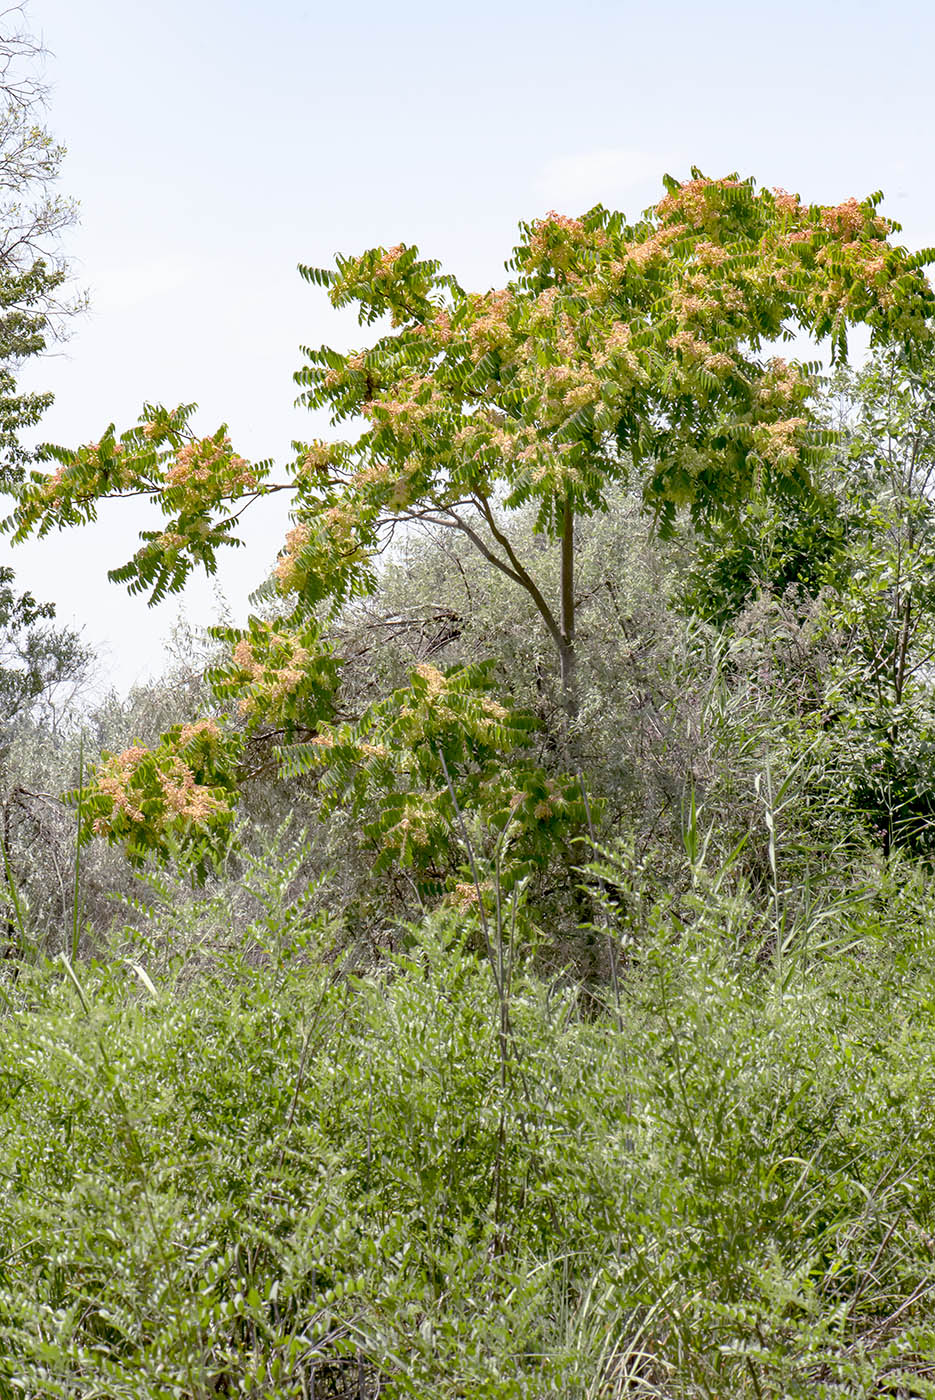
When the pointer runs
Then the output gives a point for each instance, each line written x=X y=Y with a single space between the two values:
x=41 y=664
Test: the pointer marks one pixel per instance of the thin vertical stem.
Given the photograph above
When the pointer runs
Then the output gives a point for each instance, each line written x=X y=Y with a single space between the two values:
x=567 y=614
x=76 y=903
x=611 y=941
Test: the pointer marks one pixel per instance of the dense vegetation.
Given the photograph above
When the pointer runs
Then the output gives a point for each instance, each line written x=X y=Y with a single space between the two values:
x=503 y=966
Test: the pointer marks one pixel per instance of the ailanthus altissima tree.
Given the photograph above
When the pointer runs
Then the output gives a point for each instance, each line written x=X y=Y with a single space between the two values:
x=617 y=351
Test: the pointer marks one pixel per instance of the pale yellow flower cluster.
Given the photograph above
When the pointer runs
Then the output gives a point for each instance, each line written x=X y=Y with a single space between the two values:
x=490 y=430
x=846 y=218
x=694 y=350
x=557 y=229
x=435 y=681
x=389 y=260
x=170 y=541
x=777 y=441
x=208 y=461
x=490 y=330
x=50 y=486
x=245 y=659
x=874 y=264
x=576 y=386
x=463 y=896
x=276 y=677
x=373 y=473
x=542 y=312
x=184 y=797
x=788 y=203
x=56 y=484
x=686 y=304
x=414 y=826
x=690 y=346
x=616 y=348
x=779 y=385
x=690 y=200
x=114 y=778
x=709 y=254
x=318 y=456
x=720 y=363
x=357 y=269
x=340 y=520
x=374 y=750
x=200 y=729
x=656 y=246
x=411 y=407
x=440 y=326
x=866 y=258
x=286 y=568
x=557 y=475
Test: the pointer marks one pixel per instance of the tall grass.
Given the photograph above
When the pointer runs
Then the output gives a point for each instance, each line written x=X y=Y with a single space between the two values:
x=280 y=1177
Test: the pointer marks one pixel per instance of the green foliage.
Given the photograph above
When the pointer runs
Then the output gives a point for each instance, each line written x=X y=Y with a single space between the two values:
x=778 y=547
x=620 y=351
x=281 y=1170
x=174 y=799
x=636 y=1100
x=279 y=676
x=35 y=658
x=430 y=752
x=186 y=476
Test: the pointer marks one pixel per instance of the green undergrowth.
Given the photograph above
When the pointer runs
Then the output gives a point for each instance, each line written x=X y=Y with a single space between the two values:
x=289 y=1178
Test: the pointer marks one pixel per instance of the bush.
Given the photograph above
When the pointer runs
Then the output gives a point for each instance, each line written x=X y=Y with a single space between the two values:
x=281 y=1168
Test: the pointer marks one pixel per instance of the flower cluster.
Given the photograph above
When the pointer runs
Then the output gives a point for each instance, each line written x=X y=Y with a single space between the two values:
x=566 y=389
x=204 y=729
x=780 y=385
x=787 y=203
x=115 y=779
x=378 y=267
x=273 y=664
x=778 y=442
x=689 y=346
x=211 y=461
x=709 y=254
x=556 y=240
x=490 y=329
x=845 y=220
x=318 y=456
x=276 y=674
x=613 y=348
x=287 y=570
x=184 y=797
x=175 y=796
x=695 y=202
x=642 y=253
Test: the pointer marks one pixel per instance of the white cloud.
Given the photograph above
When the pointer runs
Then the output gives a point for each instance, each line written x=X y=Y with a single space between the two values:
x=576 y=182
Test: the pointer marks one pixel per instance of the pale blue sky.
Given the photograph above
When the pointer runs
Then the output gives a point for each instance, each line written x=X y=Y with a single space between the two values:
x=214 y=145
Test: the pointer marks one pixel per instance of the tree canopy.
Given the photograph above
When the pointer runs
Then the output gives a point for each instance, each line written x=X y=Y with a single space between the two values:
x=617 y=352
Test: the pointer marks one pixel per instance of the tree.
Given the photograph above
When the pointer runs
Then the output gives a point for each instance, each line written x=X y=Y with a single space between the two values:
x=36 y=658
x=881 y=606
x=34 y=306
x=34 y=301
x=618 y=351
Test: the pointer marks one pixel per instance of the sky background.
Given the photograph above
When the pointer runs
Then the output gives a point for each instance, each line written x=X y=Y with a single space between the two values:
x=213 y=146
